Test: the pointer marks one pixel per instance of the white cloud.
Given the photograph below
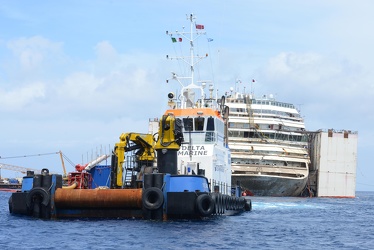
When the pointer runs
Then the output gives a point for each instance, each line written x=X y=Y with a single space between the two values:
x=111 y=80
x=324 y=77
x=34 y=52
x=105 y=52
x=20 y=97
x=81 y=87
x=332 y=91
x=348 y=30
x=91 y=105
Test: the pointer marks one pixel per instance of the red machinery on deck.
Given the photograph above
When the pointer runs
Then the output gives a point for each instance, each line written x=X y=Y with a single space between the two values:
x=80 y=177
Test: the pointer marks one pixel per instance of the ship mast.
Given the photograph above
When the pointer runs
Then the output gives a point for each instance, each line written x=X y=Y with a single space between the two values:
x=189 y=90
x=192 y=17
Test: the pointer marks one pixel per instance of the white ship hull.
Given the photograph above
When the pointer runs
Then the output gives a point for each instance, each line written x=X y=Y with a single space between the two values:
x=269 y=147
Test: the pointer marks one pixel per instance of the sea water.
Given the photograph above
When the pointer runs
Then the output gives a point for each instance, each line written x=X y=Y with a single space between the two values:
x=274 y=223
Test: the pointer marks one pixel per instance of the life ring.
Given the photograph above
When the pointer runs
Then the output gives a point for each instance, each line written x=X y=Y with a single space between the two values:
x=153 y=198
x=205 y=205
x=37 y=191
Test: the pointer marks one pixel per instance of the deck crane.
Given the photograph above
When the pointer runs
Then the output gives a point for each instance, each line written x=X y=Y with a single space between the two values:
x=18 y=168
x=63 y=165
x=23 y=169
x=169 y=140
x=145 y=154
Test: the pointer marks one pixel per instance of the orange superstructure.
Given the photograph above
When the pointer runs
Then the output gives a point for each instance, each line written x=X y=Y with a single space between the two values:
x=194 y=112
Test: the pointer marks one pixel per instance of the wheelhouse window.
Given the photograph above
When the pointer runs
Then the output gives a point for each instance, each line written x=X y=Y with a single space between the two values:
x=210 y=124
x=210 y=136
x=187 y=123
x=199 y=123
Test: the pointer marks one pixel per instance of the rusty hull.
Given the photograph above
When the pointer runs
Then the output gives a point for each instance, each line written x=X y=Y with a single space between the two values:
x=98 y=198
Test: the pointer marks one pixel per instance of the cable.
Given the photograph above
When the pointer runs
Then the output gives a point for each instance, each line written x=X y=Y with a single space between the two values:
x=21 y=156
x=66 y=158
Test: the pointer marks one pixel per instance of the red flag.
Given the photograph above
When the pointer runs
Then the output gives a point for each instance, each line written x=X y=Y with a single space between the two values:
x=180 y=39
x=199 y=26
x=253 y=80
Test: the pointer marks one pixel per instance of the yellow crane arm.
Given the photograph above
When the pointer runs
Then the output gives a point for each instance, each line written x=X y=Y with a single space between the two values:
x=133 y=141
x=63 y=164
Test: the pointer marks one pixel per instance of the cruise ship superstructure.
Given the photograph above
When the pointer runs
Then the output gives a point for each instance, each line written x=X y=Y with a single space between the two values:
x=269 y=146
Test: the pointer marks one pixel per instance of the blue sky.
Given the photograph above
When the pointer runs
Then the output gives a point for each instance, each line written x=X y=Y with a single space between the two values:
x=74 y=75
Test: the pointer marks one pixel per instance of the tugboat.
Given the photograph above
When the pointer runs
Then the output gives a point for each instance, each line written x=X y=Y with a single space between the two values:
x=205 y=151
x=182 y=171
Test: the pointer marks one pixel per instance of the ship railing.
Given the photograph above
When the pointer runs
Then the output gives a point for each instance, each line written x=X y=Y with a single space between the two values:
x=220 y=186
x=279 y=142
x=337 y=131
x=277 y=117
x=263 y=168
x=259 y=155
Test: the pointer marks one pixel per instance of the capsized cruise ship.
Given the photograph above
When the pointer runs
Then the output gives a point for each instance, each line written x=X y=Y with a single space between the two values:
x=269 y=146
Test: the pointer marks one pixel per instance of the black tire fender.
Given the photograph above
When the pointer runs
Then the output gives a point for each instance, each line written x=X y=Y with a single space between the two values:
x=234 y=203
x=222 y=204
x=153 y=198
x=10 y=203
x=242 y=203
x=228 y=201
x=215 y=198
x=38 y=191
x=248 y=205
x=224 y=201
x=205 y=205
x=238 y=205
x=231 y=206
